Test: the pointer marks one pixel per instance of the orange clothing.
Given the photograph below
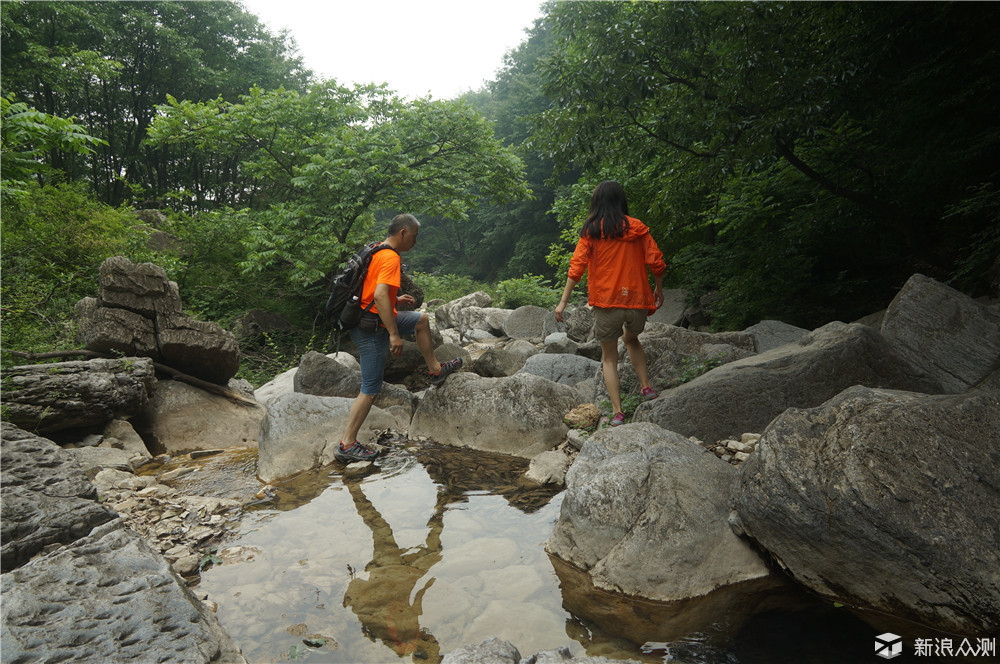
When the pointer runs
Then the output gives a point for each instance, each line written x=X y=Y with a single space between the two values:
x=386 y=268
x=617 y=268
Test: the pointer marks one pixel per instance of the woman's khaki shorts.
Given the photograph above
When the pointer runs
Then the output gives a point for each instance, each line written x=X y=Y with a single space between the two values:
x=608 y=323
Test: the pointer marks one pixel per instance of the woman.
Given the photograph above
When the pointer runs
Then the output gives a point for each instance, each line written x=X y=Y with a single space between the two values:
x=617 y=249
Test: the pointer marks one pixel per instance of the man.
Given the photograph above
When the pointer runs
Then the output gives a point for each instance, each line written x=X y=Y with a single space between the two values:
x=383 y=331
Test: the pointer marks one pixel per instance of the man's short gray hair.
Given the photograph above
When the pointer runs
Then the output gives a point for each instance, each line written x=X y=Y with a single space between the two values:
x=401 y=221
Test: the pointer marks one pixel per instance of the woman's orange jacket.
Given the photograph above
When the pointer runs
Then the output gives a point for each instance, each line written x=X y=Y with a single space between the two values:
x=617 y=268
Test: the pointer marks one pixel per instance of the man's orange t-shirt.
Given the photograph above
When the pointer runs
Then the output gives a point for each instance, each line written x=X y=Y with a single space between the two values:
x=386 y=268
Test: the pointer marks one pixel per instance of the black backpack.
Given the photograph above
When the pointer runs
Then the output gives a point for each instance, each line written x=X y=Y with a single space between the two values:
x=343 y=307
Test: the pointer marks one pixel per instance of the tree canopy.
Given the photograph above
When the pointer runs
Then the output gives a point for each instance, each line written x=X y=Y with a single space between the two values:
x=110 y=63
x=828 y=140
x=796 y=161
x=320 y=164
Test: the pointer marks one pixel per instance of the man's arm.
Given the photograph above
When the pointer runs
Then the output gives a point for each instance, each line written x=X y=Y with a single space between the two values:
x=384 y=306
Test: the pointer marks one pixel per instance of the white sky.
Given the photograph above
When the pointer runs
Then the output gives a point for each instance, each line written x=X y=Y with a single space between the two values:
x=438 y=47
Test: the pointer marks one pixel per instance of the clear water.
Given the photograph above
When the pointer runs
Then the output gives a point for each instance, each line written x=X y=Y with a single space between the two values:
x=442 y=547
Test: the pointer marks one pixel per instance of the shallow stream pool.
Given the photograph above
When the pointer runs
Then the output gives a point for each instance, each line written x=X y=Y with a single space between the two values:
x=442 y=547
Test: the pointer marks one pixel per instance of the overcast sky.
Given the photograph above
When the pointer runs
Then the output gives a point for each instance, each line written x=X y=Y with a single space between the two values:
x=437 y=47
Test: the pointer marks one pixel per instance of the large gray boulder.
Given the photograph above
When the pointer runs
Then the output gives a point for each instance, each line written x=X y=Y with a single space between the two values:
x=771 y=334
x=108 y=598
x=671 y=312
x=46 y=498
x=284 y=382
x=673 y=355
x=138 y=312
x=944 y=332
x=302 y=431
x=468 y=320
x=325 y=376
x=579 y=323
x=447 y=314
x=561 y=367
x=65 y=395
x=527 y=322
x=114 y=331
x=198 y=348
x=646 y=514
x=141 y=288
x=497 y=363
x=520 y=415
x=885 y=500
x=181 y=418
x=747 y=394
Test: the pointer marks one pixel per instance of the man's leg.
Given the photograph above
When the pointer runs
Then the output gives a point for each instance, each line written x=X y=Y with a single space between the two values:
x=418 y=324
x=360 y=408
x=372 y=347
x=426 y=345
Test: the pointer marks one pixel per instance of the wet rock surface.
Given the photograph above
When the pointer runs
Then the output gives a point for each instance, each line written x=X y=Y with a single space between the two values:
x=80 y=583
x=646 y=513
x=108 y=597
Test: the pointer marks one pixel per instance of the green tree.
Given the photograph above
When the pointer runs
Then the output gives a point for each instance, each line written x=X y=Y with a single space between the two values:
x=319 y=165
x=26 y=135
x=109 y=63
x=850 y=128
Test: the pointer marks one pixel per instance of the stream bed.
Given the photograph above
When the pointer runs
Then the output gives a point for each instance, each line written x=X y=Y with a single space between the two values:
x=439 y=547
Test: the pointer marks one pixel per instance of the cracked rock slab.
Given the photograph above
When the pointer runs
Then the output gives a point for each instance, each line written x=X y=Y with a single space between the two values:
x=107 y=598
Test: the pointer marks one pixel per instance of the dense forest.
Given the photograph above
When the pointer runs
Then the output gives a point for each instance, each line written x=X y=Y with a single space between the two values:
x=795 y=161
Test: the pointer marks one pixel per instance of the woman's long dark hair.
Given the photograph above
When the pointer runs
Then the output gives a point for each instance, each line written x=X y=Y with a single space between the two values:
x=608 y=212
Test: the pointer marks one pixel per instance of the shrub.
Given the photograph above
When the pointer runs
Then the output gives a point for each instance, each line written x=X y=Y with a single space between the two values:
x=448 y=287
x=527 y=290
x=54 y=241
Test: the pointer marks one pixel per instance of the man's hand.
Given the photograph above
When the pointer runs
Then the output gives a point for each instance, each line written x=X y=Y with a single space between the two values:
x=405 y=300
x=395 y=344
x=559 y=311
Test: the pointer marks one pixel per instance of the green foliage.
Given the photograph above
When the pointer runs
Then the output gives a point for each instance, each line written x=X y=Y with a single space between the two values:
x=526 y=290
x=629 y=404
x=262 y=360
x=326 y=161
x=54 y=240
x=800 y=160
x=692 y=367
x=26 y=135
x=447 y=287
x=109 y=64
x=983 y=247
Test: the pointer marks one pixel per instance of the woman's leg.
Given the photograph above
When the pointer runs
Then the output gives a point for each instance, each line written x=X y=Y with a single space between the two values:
x=638 y=357
x=609 y=362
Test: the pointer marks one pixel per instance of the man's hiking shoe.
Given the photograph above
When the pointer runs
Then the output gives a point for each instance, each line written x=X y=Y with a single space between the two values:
x=354 y=452
x=617 y=420
x=446 y=368
x=648 y=393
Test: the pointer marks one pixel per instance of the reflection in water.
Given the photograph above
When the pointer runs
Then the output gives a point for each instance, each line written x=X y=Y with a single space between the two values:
x=442 y=547
x=385 y=602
